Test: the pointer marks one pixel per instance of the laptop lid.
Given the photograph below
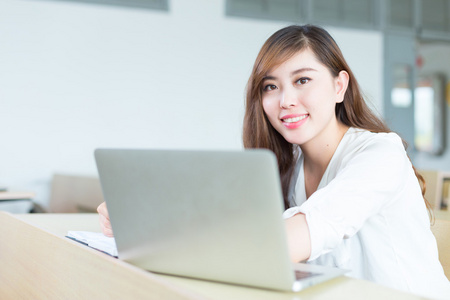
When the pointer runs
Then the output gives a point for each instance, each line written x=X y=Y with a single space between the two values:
x=214 y=215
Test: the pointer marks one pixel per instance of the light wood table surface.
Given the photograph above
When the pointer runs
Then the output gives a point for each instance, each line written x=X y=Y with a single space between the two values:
x=38 y=262
x=12 y=195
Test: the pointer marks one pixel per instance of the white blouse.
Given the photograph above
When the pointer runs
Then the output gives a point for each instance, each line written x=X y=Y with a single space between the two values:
x=368 y=216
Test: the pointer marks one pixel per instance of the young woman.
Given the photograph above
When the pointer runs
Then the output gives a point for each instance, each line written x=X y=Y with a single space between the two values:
x=352 y=196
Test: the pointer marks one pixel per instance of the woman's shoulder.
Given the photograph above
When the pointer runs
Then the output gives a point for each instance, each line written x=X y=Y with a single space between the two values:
x=382 y=155
x=362 y=138
x=369 y=146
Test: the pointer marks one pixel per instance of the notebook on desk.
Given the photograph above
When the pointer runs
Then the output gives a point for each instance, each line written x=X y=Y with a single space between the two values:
x=203 y=214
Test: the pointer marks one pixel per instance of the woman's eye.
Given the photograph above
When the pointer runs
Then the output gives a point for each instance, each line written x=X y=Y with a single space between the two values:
x=303 y=80
x=269 y=87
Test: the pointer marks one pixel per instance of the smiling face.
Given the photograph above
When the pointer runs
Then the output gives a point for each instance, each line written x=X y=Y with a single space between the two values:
x=299 y=98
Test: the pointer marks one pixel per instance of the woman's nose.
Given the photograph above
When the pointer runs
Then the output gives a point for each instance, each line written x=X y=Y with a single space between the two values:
x=288 y=99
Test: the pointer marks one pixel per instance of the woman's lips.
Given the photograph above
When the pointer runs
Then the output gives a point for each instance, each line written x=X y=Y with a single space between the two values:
x=294 y=121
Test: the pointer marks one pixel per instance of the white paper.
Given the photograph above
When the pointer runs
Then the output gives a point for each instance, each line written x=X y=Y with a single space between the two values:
x=95 y=240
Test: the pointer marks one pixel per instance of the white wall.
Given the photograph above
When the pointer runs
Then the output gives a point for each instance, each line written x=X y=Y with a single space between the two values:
x=74 y=77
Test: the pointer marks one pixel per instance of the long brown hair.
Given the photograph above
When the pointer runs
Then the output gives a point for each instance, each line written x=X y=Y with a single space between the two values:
x=353 y=111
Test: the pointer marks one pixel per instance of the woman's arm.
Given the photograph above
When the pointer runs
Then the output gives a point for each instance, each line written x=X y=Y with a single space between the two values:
x=299 y=241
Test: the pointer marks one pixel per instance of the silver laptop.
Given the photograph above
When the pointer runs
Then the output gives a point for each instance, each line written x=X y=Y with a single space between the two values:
x=213 y=215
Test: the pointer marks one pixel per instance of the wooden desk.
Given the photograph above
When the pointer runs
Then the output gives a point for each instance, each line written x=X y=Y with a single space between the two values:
x=16 y=202
x=38 y=262
x=16 y=195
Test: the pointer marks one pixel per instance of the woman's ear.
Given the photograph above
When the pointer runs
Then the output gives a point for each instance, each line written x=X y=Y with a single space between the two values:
x=341 y=82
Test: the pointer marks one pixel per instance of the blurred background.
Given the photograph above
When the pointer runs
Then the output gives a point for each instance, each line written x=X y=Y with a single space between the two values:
x=76 y=75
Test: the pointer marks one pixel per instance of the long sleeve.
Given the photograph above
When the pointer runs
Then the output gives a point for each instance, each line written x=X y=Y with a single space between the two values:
x=368 y=216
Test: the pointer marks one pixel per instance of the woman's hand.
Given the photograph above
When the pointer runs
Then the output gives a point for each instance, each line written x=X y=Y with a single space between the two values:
x=105 y=223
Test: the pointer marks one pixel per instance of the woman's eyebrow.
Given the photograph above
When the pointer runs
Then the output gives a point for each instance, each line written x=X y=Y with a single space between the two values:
x=293 y=73
x=268 y=78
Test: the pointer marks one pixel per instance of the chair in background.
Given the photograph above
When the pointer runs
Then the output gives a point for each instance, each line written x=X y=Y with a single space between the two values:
x=435 y=187
x=441 y=230
x=75 y=194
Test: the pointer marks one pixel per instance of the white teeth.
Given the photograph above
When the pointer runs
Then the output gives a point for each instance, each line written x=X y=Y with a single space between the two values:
x=293 y=120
